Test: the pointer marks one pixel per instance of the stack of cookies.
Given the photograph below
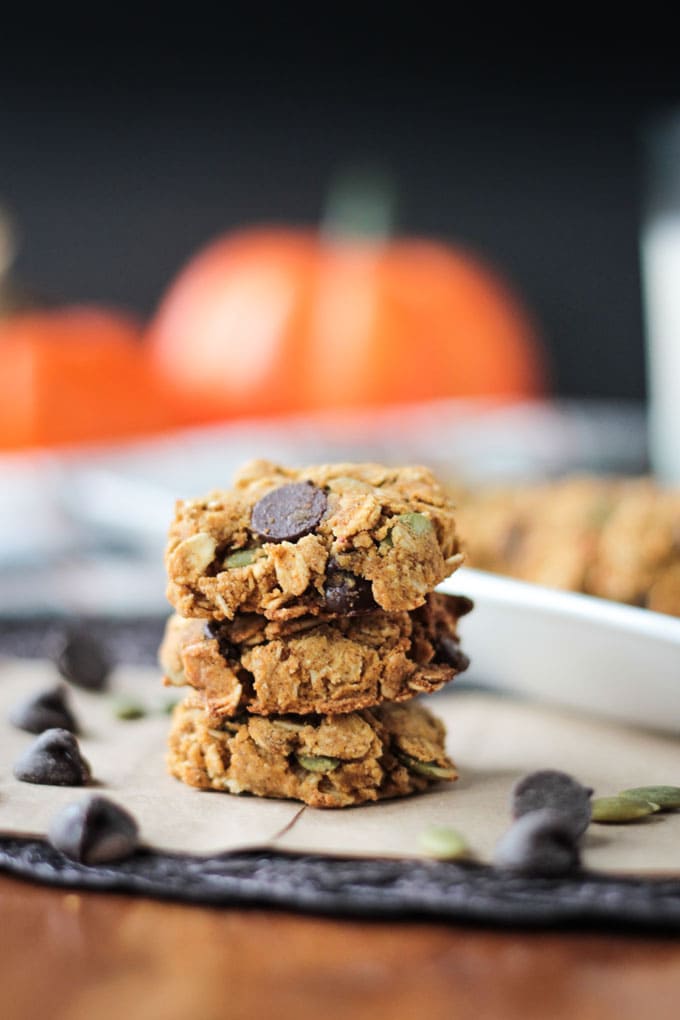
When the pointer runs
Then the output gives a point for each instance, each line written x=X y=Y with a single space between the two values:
x=306 y=623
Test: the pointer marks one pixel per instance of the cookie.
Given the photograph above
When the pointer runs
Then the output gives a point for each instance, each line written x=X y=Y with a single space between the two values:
x=615 y=538
x=638 y=555
x=311 y=665
x=331 y=540
x=325 y=761
x=547 y=534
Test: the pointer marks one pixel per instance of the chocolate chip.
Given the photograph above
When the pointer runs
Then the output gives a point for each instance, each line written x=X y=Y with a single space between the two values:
x=348 y=594
x=54 y=759
x=289 y=512
x=461 y=605
x=539 y=843
x=94 y=831
x=213 y=630
x=46 y=711
x=549 y=788
x=448 y=651
x=81 y=659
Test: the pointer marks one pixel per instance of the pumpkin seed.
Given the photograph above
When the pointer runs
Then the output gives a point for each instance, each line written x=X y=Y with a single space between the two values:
x=621 y=809
x=240 y=558
x=426 y=768
x=128 y=708
x=667 y=797
x=443 y=843
x=317 y=762
x=416 y=523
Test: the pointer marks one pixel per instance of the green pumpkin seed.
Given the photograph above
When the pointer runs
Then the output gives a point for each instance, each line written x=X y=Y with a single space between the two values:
x=317 y=762
x=170 y=705
x=128 y=709
x=418 y=524
x=667 y=797
x=240 y=558
x=444 y=844
x=621 y=809
x=426 y=768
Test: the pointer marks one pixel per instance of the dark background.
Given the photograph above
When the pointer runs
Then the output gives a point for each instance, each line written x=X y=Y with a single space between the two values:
x=119 y=158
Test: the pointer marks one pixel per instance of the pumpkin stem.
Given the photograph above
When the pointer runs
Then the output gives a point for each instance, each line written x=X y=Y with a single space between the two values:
x=7 y=245
x=13 y=296
x=361 y=205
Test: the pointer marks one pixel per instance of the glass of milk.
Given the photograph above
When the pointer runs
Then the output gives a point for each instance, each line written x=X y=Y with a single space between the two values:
x=661 y=280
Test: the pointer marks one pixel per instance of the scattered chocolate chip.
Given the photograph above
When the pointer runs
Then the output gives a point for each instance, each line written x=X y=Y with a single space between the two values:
x=81 y=659
x=449 y=651
x=289 y=512
x=539 y=843
x=54 y=759
x=556 y=790
x=213 y=630
x=46 y=711
x=94 y=831
x=348 y=594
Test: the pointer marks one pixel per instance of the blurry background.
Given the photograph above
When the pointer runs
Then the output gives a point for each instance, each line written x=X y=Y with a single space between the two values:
x=119 y=158
x=122 y=154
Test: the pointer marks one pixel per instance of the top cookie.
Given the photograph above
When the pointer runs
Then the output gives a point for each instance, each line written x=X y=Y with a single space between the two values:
x=336 y=539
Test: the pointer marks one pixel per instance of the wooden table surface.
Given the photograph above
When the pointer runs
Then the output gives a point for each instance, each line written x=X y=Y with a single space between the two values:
x=69 y=956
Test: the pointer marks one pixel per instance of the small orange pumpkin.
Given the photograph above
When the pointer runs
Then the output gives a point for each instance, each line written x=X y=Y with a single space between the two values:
x=74 y=374
x=268 y=321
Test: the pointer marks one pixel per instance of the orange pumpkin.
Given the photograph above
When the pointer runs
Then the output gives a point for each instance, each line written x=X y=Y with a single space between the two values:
x=268 y=321
x=74 y=374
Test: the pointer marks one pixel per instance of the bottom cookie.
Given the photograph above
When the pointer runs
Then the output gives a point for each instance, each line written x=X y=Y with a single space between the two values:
x=325 y=761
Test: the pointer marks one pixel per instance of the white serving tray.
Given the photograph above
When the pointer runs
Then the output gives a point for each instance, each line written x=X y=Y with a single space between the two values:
x=582 y=652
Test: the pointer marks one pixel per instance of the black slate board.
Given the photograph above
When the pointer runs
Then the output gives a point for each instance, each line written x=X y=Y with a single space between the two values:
x=348 y=888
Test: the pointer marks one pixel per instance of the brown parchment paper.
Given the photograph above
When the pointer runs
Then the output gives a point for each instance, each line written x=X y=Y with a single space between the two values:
x=492 y=739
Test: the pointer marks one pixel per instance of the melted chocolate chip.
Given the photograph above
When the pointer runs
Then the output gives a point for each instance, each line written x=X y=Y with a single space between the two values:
x=289 y=512
x=539 y=843
x=213 y=631
x=558 y=791
x=46 y=711
x=81 y=659
x=348 y=594
x=94 y=831
x=449 y=651
x=54 y=759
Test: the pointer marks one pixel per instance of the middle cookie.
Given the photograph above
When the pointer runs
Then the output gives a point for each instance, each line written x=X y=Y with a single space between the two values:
x=304 y=665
